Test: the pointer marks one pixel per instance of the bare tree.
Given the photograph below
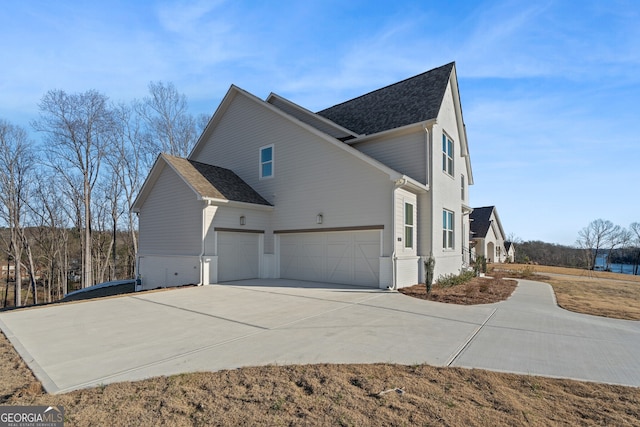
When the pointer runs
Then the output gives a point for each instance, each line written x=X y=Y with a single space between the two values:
x=51 y=212
x=129 y=163
x=634 y=230
x=16 y=162
x=595 y=237
x=171 y=129
x=77 y=128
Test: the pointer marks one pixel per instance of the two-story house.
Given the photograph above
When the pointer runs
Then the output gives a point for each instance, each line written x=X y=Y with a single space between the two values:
x=359 y=193
x=488 y=237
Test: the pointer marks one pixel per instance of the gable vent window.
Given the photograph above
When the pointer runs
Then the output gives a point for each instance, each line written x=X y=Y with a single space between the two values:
x=266 y=162
x=447 y=154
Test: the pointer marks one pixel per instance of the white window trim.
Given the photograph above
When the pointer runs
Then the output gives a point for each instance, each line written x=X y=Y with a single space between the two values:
x=446 y=138
x=273 y=162
x=411 y=248
x=445 y=239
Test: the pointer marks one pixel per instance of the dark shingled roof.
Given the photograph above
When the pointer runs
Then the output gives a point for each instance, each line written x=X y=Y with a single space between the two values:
x=215 y=182
x=481 y=221
x=413 y=100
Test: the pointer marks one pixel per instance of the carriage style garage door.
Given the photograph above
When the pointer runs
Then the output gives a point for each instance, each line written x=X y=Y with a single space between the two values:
x=348 y=257
x=238 y=256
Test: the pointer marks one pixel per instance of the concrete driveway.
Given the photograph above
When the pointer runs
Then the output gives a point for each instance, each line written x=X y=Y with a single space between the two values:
x=259 y=322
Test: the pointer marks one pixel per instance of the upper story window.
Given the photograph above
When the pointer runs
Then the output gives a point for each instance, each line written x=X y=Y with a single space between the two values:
x=447 y=154
x=447 y=229
x=408 y=225
x=462 y=185
x=266 y=162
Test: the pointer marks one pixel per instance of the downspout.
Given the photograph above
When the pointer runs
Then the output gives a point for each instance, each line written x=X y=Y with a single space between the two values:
x=204 y=236
x=430 y=168
x=394 y=256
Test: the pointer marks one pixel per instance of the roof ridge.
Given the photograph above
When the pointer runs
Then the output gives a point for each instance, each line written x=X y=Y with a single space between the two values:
x=450 y=64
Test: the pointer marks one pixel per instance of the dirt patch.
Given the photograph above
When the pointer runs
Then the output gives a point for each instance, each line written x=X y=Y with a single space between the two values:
x=330 y=395
x=479 y=290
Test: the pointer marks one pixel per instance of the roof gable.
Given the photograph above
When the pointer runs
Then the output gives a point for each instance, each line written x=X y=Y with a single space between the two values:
x=481 y=220
x=235 y=91
x=416 y=99
x=206 y=181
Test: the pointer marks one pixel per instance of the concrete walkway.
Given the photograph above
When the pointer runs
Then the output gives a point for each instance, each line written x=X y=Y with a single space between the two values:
x=259 y=322
x=530 y=334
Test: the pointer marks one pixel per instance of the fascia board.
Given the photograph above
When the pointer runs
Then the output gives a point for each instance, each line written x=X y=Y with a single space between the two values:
x=156 y=170
x=499 y=223
x=215 y=118
x=462 y=129
x=196 y=192
x=148 y=184
x=391 y=132
x=310 y=114
x=233 y=203
x=412 y=184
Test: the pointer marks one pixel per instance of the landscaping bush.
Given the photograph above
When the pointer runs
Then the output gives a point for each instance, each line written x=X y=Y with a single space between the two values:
x=480 y=265
x=449 y=280
x=429 y=266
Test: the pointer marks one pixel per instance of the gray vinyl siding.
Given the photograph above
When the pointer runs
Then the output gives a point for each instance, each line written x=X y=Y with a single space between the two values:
x=311 y=175
x=171 y=218
x=405 y=153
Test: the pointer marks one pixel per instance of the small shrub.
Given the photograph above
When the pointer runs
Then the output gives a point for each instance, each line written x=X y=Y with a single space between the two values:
x=449 y=280
x=429 y=266
x=527 y=272
x=480 y=265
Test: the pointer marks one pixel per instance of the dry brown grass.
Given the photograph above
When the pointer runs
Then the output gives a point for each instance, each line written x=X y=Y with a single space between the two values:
x=350 y=394
x=331 y=395
x=598 y=293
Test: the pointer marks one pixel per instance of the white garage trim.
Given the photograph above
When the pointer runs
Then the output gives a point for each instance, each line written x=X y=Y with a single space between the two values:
x=331 y=229
x=345 y=256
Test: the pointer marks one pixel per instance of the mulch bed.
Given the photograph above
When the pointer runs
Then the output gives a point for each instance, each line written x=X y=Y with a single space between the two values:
x=479 y=290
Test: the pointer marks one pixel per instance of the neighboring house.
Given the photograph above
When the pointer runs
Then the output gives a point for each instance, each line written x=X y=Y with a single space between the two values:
x=511 y=251
x=488 y=235
x=359 y=193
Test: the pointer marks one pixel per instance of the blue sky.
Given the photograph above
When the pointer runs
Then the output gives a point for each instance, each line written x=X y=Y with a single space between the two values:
x=550 y=89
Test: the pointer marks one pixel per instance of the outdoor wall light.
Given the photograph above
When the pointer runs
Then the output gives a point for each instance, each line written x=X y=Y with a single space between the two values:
x=243 y=220
x=319 y=219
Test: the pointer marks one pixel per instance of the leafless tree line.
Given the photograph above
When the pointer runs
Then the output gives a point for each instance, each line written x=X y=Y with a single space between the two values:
x=602 y=236
x=65 y=200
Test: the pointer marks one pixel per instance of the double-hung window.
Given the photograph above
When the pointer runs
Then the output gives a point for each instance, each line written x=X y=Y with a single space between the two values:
x=408 y=226
x=266 y=162
x=447 y=154
x=447 y=229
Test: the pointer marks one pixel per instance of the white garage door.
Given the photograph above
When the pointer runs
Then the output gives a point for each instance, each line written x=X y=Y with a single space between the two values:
x=238 y=256
x=348 y=257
